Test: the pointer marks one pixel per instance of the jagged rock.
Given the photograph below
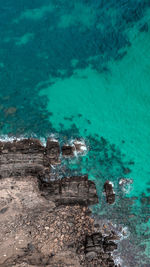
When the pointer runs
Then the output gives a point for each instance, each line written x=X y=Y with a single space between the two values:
x=28 y=157
x=35 y=229
x=110 y=195
x=97 y=246
x=109 y=246
x=68 y=150
x=76 y=147
x=25 y=146
x=52 y=151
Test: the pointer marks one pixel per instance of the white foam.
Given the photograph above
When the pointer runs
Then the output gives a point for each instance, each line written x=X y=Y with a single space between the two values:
x=127 y=189
x=125 y=181
x=53 y=137
x=54 y=140
x=6 y=138
x=67 y=145
x=43 y=141
x=75 y=153
x=124 y=233
x=111 y=183
x=53 y=167
x=126 y=185
x=118 y=260
x=82 y=149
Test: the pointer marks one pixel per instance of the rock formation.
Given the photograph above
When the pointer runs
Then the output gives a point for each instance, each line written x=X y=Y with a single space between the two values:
x=95 y=247
x=76 y=147
x=27 y=157
x=110 y=195
x=72 y=190
x=45 y=222
x=68 y=150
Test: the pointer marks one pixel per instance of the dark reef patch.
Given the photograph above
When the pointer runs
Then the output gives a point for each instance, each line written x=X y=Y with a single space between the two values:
x=25 y=61
x=144 y=27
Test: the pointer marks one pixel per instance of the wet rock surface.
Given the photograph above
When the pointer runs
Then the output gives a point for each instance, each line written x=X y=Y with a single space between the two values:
x=44 y=222
x=110 y=195
x=68 y=150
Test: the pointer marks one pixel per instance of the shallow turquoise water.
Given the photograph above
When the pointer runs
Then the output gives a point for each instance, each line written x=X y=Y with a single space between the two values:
x=82 y=69
x=116 y=104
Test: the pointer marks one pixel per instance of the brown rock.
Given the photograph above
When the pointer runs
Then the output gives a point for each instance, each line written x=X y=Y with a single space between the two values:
x=110 y=195
x=68 y=150
x=27 y=157
x=35 y=229
x=68 y=191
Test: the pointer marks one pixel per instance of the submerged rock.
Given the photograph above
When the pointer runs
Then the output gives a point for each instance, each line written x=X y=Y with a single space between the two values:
x=124 y=181
x=125 y=184
x=144 y=27
x=10 y=111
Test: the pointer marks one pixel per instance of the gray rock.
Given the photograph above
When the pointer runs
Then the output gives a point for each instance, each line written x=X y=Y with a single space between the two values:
x=91 y=255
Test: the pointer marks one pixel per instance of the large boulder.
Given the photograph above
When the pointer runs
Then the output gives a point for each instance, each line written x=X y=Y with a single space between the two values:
x=110 y=194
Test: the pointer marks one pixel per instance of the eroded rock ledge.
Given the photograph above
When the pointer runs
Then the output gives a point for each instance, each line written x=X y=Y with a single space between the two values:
x=45 y=222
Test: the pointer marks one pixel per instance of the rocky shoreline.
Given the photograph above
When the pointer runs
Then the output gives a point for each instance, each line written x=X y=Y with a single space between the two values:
x=46 y=222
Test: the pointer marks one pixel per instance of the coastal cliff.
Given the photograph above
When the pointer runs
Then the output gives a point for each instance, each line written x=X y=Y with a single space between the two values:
x=46 y=222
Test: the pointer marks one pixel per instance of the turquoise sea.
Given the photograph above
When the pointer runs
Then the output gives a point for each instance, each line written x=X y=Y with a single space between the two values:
x=81 y=69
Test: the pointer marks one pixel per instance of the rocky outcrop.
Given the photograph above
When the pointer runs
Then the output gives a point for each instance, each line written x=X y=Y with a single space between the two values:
x=75 y=147
x=68 y=150
x=96 y=246
x=45 y=222
x=70 y=191
x=110 y=195
x=80 y=146
x=27 y=157
x=52 y=152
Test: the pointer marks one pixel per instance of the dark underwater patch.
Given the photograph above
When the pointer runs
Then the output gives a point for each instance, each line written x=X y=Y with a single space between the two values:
x=144 y=27
x=52 y=49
